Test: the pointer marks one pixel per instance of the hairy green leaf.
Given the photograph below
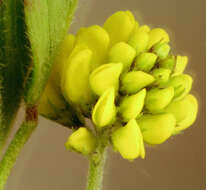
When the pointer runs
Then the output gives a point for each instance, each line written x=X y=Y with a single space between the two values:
x=14 y=59
x=47 y=22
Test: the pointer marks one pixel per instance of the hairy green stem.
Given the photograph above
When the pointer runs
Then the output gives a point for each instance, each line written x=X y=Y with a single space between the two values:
x=16 y=145
x=97 y=161
x=96 y=172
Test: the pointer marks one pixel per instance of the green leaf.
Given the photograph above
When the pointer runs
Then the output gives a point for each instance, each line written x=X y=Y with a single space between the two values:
x=47 y=23
x=14 y=57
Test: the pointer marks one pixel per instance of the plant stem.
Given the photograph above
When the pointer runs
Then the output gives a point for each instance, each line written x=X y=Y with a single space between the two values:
x=96 y=172
x=97 y=161
x=16 y=145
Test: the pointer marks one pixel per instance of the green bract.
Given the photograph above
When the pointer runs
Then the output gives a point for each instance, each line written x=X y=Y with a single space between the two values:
x=121 y=74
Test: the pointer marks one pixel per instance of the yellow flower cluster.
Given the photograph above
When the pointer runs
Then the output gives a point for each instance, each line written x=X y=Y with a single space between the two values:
x=123 y=77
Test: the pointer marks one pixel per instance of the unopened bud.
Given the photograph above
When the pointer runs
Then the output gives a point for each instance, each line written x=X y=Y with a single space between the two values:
x=161 y=75
x=120 y=26
x=122 y=53
x=75 y=79
x=157 y=35
x=134 y=81
x=104 y=77
x=145 y=61
x=157 y=99
x=97 y=40
x=181 y=63
x=156 y=128
x=128 y=141
x=104 y=111
x=185 y=112
x=168 y=63
x=82 y=141
x=131 y=106
x=182 y=85
x=161 y=50
x=139 y=41
x=144 y=28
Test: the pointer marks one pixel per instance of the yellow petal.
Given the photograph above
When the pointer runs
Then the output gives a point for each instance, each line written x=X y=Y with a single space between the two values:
x=134 y=81
x=157 y=99
x=82 y=141
x=128 y=141
x=156 y=128
x=131 y=106
x=104 y=111
x=120 y=26
x=122 y=53
x=75 y=80
x=185 y=112
x=96 y=39
x=104 y=77
x=157 y=35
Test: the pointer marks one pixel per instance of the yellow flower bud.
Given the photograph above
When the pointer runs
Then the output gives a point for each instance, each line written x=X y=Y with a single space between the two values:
x=134 y=81
x=185 y=112
x=82 y=141
x=168 y=63
x=144 y=28
x=62 y=56
x=131 y=106
x=122 y=53
x=96 y=39
x=161 y=75
x=157 y=35
x=120 y=26
x=156 y=128
x=106 y=76
x=162 y=50
x=75 y=79
x=139 y=41
x=182 y=85
x=128 y=141
x=104 y=111
x=157 y=99
x=145 y=61
x=181 y=63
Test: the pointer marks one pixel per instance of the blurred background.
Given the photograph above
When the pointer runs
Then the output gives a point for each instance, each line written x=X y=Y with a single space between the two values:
x=178 y=164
